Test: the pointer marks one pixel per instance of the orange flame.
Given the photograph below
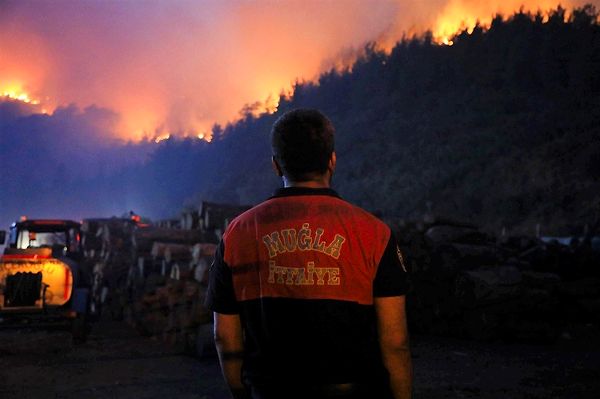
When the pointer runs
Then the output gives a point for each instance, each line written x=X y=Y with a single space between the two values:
x=16 y=92
x=19 y=96
x=162 y=137
x=460 y=15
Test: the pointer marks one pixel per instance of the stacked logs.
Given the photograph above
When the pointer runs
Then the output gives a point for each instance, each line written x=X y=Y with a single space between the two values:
x=471 y=284
x=108 y=251
x=154 y=276
x=167 y=284
x=464 y=282
x=168 y=280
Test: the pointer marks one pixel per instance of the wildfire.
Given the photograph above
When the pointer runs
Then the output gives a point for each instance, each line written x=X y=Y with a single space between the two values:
x=158 y=90
x=19 y=96
x=460 y=15
x=16 y=93
x=451 y=23
x=268 y=106
x=162 y=137
x=271 y=104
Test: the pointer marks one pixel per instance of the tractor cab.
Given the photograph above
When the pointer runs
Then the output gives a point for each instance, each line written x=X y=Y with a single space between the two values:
x=62 y=237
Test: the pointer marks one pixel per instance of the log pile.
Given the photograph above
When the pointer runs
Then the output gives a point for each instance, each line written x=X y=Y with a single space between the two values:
x=156 y=275
x=470 y=284
x=168 y=283
x=464 y=282
x=216 y=217
x=109 y=250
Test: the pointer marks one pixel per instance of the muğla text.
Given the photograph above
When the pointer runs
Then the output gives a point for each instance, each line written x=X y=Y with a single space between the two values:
x=291 y=240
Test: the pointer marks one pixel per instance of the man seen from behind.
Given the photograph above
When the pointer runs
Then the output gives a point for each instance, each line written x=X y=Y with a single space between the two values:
x=308 y=290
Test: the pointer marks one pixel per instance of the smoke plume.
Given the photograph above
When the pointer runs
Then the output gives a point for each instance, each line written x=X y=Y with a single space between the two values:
x=178 y=67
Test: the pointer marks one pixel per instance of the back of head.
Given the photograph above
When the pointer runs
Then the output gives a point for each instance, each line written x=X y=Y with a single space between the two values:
x=302 y=141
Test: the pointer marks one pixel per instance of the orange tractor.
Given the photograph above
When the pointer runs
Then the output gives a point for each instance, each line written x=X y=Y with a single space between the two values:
x=42 y=278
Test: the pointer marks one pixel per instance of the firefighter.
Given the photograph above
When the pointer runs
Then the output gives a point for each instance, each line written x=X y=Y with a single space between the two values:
x=307 y=290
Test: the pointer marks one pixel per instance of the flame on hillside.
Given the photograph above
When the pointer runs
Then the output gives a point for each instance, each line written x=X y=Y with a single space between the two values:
x=446 y=18
x=15 y=92
x=197 y=71
x=23 y=97
x=162 y=137
x=268 y=106
x=461 y=15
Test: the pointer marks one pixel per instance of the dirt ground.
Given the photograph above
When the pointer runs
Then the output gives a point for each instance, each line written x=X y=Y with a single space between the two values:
x=453 y=368
x=116 y=362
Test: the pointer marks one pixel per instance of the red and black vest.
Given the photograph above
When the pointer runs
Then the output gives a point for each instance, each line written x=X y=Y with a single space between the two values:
x=302 y=269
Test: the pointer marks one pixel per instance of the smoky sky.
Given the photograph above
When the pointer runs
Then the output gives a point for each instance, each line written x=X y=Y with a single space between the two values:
x=176 y=66
x=106 y=72
x=179 y=66
x=42 y=154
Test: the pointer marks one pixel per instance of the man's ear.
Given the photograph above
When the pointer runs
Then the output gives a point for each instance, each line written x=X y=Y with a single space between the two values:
x=332 y=162
x=276 y=167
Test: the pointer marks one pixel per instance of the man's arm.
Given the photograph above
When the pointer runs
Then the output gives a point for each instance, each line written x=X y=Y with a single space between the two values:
x=230 y=347
x=393 y=339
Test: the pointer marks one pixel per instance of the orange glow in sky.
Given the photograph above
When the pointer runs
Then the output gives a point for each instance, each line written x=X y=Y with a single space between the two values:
x=176 y=68
x=15 y=93
x=462 y=14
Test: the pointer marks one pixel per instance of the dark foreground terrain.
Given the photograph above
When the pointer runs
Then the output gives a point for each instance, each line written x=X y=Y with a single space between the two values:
x=115 y=362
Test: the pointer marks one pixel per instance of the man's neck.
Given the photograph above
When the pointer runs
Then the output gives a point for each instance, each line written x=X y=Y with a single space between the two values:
x=316 y=183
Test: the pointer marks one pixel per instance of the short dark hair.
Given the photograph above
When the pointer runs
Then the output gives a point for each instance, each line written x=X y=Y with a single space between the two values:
x=302 y=142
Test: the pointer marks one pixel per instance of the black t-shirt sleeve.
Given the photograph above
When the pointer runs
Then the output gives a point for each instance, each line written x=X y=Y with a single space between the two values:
x=220 y=297
x=392 y=276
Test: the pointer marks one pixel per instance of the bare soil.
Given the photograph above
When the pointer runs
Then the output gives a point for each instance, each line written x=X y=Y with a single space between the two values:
x=453 y=368
x=116 y=362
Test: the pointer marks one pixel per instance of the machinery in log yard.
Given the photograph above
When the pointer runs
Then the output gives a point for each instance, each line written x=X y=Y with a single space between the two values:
x=42 y=278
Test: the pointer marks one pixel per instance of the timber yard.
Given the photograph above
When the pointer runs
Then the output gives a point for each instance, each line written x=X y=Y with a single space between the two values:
x=490 y=316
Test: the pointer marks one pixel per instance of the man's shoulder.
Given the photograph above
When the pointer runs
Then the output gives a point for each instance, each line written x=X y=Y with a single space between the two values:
x=363 y=215
x=247 y=217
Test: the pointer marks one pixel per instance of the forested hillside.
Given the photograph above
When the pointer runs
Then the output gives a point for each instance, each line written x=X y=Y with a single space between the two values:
x=502 y=128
